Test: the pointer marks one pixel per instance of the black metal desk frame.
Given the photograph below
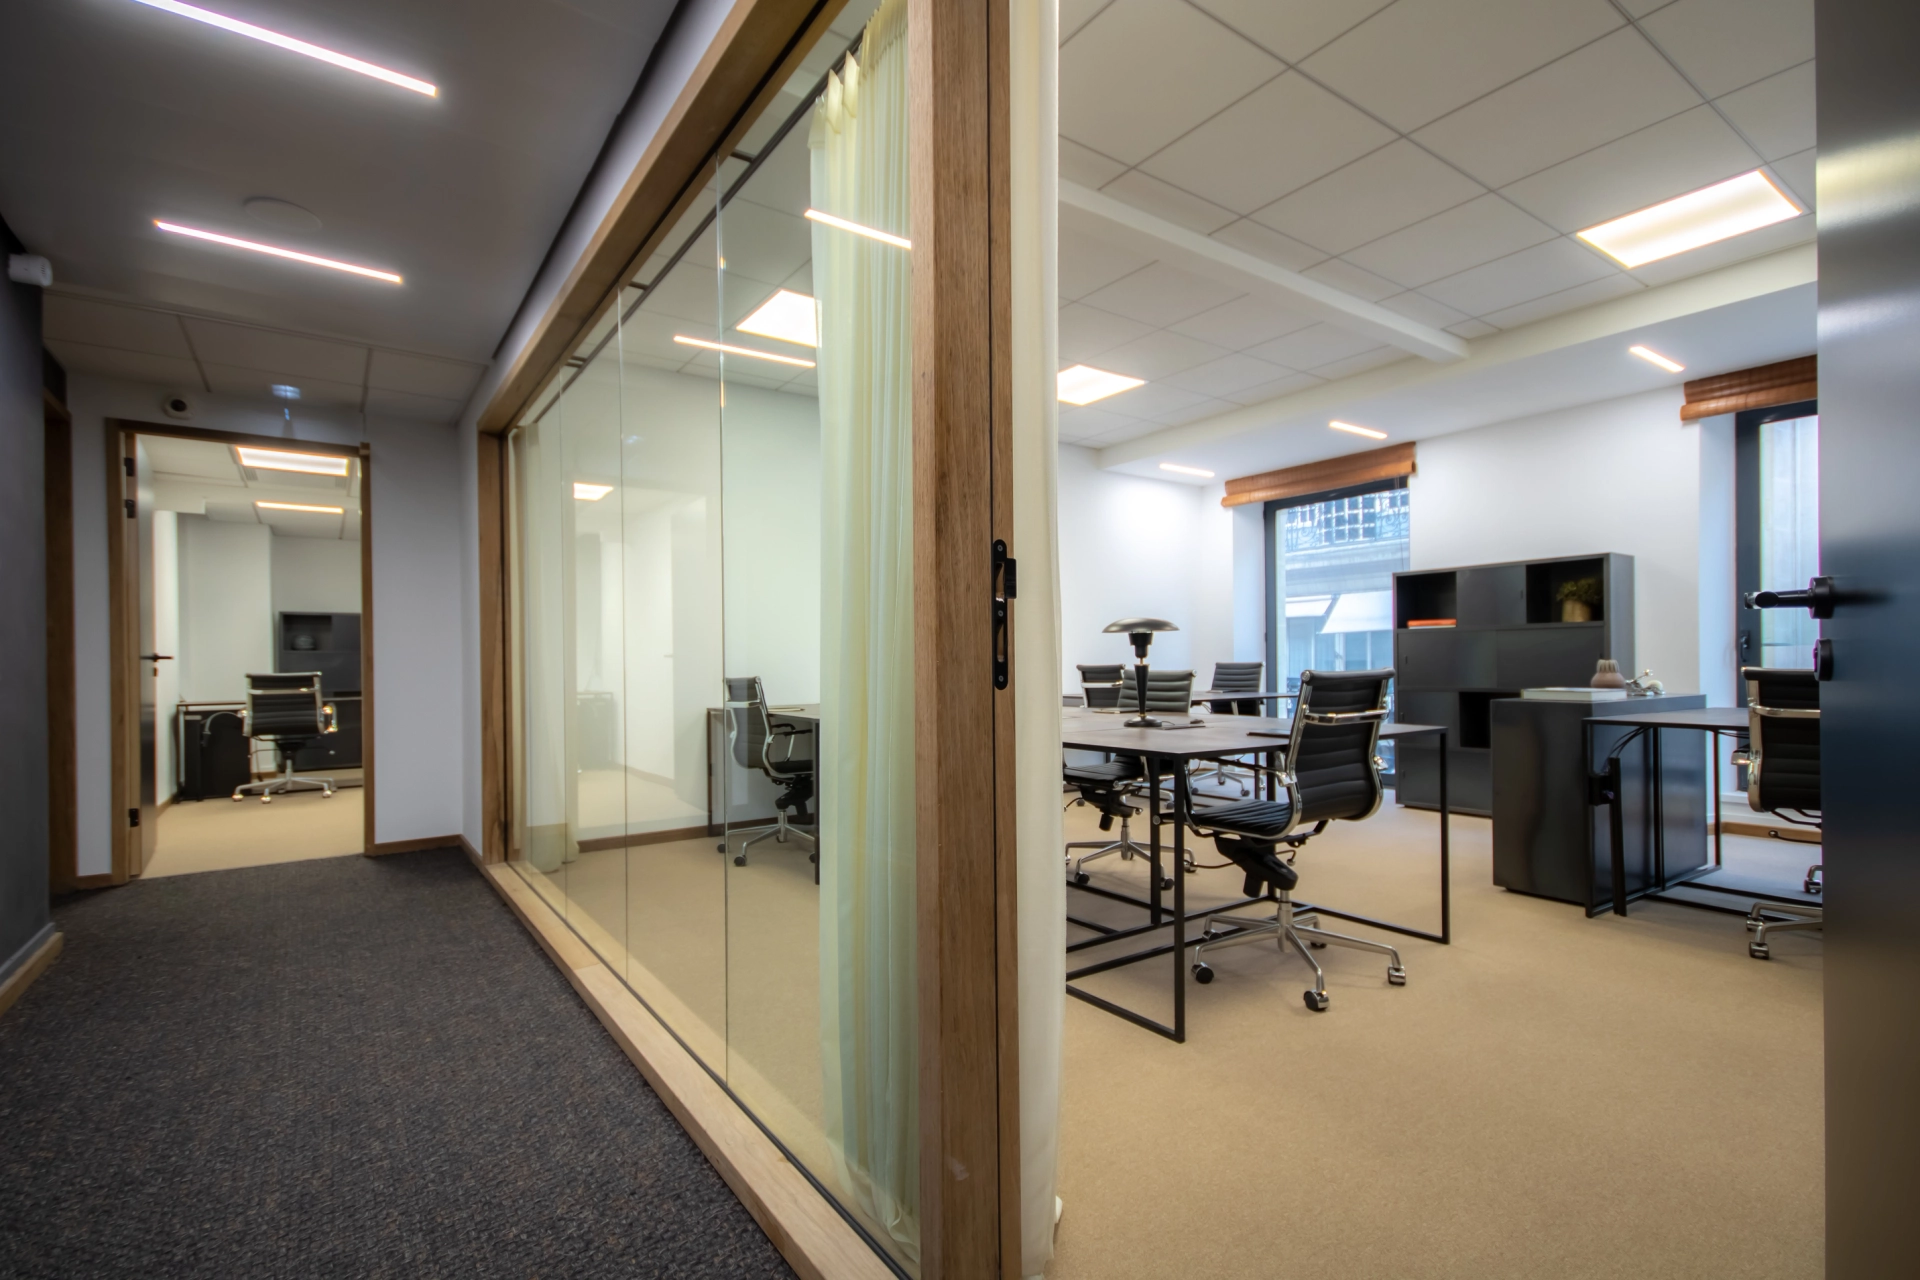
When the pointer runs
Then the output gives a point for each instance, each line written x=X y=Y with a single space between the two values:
x=1160 y=916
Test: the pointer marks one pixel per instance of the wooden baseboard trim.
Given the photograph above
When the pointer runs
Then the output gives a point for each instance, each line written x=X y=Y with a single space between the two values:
x=413 y=846
x=99 y=880
x=17 y=983
x=1798 y=835
x=639 y=838
x=808 y=1231
x=473 y=854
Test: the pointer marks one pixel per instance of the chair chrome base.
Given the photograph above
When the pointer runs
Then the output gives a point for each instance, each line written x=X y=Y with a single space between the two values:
x=285 y=783
x=1804 y=916
x=779 y=832
x=1295 y=927
x=1124 y=846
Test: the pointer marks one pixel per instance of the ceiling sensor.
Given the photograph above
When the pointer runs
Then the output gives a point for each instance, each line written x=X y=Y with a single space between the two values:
x=282 y=214
x=176 y=407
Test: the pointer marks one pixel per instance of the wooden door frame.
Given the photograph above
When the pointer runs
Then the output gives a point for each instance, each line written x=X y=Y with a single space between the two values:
x=123 y=618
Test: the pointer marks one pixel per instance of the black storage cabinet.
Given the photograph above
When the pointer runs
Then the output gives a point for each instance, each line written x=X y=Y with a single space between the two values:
x=325 y=642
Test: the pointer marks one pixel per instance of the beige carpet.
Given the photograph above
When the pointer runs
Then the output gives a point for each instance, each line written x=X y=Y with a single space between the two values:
x=218 y=835
x=1550 y=1096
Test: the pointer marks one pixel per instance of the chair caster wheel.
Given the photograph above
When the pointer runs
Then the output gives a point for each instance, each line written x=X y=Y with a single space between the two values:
x=1203 y=974
x=1081 y=877
x=739 y=859
x=326 y=795
x=1759 y=951
x=266 y=799
x=1316 y=1000
x=1317 y=946
x=1166 y=882
x=721 y=847
x=238 y=799
x=1396 y=976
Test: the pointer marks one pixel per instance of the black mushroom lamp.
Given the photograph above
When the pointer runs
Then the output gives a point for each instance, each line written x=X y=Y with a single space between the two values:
x=1140 y=632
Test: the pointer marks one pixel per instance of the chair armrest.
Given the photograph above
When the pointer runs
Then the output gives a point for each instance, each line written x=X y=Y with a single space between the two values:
x=1344 y=717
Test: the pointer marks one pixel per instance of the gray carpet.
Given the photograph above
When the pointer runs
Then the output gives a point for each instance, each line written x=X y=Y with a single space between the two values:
x=347 y=1067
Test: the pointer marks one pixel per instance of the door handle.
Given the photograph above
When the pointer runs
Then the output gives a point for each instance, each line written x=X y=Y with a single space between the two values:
x=156 y=657
x=1818 y=599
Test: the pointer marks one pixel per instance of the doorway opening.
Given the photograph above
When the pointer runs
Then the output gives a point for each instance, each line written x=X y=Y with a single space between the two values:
x=238 y=568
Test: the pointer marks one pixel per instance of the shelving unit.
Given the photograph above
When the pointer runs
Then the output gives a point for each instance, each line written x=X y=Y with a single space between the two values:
x=1508 y=634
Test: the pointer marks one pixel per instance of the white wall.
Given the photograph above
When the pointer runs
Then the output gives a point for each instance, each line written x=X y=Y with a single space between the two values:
x=1623 y=475
x=226 y=618
x=420 y=654
x=315 y=575
x=166 y=639
x=771 y=456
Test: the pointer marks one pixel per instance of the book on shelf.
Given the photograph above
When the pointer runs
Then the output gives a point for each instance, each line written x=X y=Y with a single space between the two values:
x=1574 y=693
x=1430 y=622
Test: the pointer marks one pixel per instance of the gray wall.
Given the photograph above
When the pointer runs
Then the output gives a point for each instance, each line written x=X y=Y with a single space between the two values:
x=23 y=628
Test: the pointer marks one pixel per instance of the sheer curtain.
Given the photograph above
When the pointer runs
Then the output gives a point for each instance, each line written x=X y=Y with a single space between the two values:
x=543 y=812
x=868 y=963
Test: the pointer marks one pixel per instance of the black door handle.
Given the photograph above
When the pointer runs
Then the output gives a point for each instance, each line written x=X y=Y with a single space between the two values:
x=1818 y=599
x=156 y=657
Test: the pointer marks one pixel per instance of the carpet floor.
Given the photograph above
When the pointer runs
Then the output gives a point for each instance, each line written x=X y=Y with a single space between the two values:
x=342 y=1067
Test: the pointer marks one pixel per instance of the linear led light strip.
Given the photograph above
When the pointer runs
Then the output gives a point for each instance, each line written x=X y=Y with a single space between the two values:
x=276 y=251
x=317 y=464
x=795 y=361
x=290 y=44
x=870 y=233
x=1654 y=357
x=300 y=506
x=1185 y=470
x=1352 y=430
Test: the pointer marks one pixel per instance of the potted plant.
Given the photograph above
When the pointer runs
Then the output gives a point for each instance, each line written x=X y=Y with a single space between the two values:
x=1578 y=598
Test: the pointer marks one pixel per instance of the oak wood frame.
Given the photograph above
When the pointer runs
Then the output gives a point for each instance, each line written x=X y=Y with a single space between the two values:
x=123 y=621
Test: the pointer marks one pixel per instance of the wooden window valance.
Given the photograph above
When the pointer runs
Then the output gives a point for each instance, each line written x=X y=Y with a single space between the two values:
x=1762 y=388
x=1390 y=463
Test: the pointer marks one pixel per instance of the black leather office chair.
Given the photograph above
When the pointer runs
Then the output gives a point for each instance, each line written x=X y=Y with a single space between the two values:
x=1108 y=784
x=1100 y=685
x=1235 y=677
x=768 y=745
x=1332 y=773
x=1168 y=693
x=285 y=708
x=1783 y=778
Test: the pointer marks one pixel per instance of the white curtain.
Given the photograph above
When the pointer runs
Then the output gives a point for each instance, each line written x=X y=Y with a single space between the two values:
x=868 y=999
x=1034 y=160
x=542 y=498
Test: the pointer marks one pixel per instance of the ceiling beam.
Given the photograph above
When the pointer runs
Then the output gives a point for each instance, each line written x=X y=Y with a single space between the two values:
x=1105 y=218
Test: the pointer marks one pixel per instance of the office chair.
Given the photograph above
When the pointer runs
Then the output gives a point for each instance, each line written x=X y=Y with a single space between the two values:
x=1783 y=778
x=1332 y=773
x=1101 y=685
x=755 y=737
x=1168 y=692
x=285 y=709
x=1108 y=784
x=1235 y=676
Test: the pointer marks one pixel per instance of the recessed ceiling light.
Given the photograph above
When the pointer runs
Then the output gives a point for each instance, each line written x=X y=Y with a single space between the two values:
x=787 y=316
x=1718 y=212
x=1186 y=471
x=316 y=464
x=282 y=391
x=685 y=341
x=869 y=232
x=277 y=252
x=274 y=38
x=1350 y=429
x=585 y=492
x=1654 y=357
x=1083 y=384
x=300 y=506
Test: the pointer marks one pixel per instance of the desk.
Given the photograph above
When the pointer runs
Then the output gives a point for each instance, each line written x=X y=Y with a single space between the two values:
x=1168 y=751
x=1201 y=697
x=1606 y=784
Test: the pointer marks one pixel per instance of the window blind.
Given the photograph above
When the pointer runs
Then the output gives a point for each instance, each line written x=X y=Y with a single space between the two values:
x=1390 y=463
x=1784 y=383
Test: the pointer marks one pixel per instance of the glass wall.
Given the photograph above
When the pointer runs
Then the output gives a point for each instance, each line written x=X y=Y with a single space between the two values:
x=712 y=613
x=1789 y=535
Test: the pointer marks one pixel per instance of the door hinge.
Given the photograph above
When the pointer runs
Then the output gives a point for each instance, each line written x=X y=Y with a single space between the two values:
x=133 y=817
x=131 y=509
x=127 y=463
x=1006 y=585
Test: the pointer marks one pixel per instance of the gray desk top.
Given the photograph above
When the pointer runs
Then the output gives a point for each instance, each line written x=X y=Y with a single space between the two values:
x=1723 y=719
x=1211 y=736
x=1235 y=695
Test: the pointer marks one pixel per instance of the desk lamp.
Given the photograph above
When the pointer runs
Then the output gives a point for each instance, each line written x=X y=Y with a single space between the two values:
x=1140 y=631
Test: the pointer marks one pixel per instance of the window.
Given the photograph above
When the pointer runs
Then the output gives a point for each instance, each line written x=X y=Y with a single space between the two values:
x=1331 y=558
x=1777 y=535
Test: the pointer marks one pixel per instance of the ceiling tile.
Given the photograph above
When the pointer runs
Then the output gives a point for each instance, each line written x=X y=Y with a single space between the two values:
x=762 y=244
x=1269 y=245
x=1182 y=208
x=1158 y=354
x=1777 y=113
x=1227 y=375
x=1198 y=411
x=1274 y=390
x=1082 y=422
x=412 y=408
x=1678 y=155
x=1420 y=59
x=1074 y=14
x=1471 y=329
x=1088 y=263
x=1366 y=360
x=230 y=380
x=1723 y=44
x=1797 y=172
x=1381 y=192
x=1641 y=8
x=1347 y=278
x=1160 y=295
x=284 y=354
x=1315 y=346
x=1243 y=323
x=1276 y=139
x=1464 y=236
x=1294 y=29
x=1520 y=277
x=1152 y=401
x=1145 y=71
x=1614 y=285
x=201 y=459
x=1781 y=235
x=106 y=324
x=422 y=375
x=1086 y=331
x=1086 y=166
x=1134 y=429
x=690 y=293
x=1418 y=306
x=1604 y=91
x=130 y=366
